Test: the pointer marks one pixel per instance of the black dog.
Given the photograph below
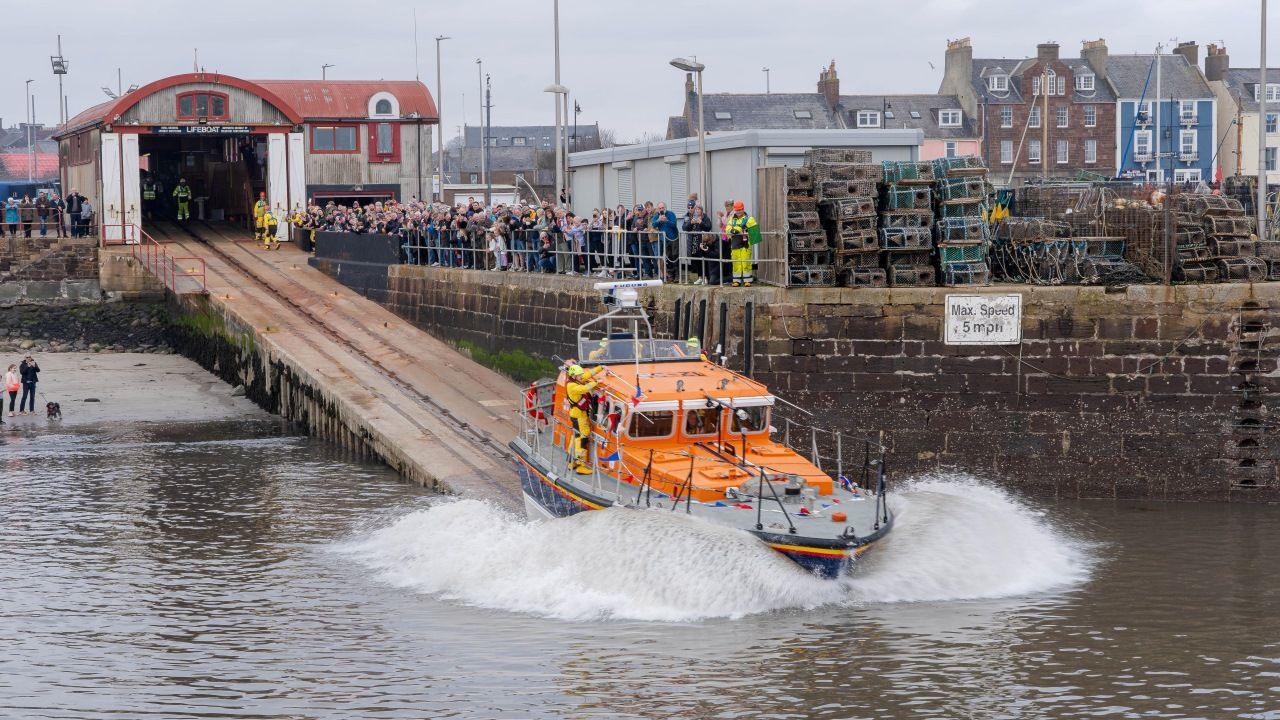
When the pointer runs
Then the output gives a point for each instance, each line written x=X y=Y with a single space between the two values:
x=53 y=410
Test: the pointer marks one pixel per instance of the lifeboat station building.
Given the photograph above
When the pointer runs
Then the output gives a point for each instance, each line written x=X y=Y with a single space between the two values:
x=232 y=139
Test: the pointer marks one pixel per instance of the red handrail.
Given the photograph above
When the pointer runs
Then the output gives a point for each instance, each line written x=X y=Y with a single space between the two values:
x=156 y=258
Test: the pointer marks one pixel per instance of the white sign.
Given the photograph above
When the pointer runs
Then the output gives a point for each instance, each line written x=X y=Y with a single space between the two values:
x=983 y=320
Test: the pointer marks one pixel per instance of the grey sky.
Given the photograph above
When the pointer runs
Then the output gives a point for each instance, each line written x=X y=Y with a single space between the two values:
x=614 y=53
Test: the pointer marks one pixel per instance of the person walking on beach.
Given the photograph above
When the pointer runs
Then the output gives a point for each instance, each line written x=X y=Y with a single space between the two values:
x=12 y=383
x=29 y=372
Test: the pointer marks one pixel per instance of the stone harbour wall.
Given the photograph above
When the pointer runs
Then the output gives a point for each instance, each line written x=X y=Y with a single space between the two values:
x=98 y=327
x=1145 y=392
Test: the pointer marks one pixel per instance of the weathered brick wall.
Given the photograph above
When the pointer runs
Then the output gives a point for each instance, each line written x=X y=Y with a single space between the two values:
x=1125 y=394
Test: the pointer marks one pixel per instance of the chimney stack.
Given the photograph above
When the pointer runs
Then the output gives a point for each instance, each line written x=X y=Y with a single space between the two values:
x=1047 y=51
x=1094 y=52
x=957 y=75
x=829 y=85
x=1189 y=50
x=1216 y=63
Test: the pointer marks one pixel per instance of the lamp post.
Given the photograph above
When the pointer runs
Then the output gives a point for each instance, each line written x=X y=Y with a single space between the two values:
x=440 y=118
x=561 y=118
x=324 y=70
x=31 y=154
x=558 y=91
x=484 y=135
x=60 y=68
x=704 y=184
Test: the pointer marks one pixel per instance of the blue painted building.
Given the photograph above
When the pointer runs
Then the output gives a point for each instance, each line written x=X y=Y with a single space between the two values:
x=1185 y=116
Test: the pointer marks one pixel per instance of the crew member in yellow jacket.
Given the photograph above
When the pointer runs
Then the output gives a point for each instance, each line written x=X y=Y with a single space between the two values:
x=744 y=233
x=270 y=241
x=578 y=391
x=259 y=209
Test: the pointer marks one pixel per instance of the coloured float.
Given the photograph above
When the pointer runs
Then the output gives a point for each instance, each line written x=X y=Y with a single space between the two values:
x=669 y=430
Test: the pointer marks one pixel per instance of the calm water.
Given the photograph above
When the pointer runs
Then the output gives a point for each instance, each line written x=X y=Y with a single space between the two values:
x=223 y=570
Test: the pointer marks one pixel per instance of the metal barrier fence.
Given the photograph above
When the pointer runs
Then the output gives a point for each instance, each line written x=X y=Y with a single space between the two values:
x=691 y=258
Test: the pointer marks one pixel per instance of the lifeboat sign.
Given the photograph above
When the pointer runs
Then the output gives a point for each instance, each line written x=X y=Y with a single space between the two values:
x=201 y=129
x=983 y=320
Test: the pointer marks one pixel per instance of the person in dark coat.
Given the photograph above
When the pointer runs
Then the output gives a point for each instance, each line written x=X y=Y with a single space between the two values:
x=29 y=372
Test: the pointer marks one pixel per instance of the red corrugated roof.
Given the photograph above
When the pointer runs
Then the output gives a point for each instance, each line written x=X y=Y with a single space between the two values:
x=349 y=99
x=302 y=99
x=14 y=165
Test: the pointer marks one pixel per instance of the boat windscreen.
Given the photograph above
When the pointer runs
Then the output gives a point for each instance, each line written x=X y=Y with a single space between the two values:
x=750 y=420
x=629 y=349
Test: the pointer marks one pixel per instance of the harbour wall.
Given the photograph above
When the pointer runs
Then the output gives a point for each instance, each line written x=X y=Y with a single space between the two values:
x=1133 y=393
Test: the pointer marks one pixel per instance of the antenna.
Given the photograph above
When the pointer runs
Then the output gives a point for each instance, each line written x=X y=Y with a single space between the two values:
x=417 y=75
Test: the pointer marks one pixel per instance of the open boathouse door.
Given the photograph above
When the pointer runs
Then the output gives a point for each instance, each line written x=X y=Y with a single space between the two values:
x=230 y=139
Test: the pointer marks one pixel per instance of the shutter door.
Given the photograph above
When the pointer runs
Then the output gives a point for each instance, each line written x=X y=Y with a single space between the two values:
x=679 y=187
x=626 y=188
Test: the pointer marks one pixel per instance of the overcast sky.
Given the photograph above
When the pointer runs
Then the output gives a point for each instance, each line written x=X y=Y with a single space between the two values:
x=614 y=52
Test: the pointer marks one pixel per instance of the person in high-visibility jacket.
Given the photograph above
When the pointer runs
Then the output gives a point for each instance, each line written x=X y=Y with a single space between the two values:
x=744 y=233
x=578 y=391
x=259 y=209
x=182 y=193
x=269 y=228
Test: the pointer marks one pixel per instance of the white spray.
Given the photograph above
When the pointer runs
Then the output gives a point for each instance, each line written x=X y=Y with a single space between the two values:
x=954 y=539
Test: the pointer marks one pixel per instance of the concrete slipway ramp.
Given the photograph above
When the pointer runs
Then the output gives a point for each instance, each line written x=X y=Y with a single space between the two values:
x=317 y=353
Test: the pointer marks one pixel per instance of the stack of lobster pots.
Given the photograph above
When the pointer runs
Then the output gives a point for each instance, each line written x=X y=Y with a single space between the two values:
x=961 y=234
x=808 y=247
x=846 y=182
x=1230 y=244
x=906 y=223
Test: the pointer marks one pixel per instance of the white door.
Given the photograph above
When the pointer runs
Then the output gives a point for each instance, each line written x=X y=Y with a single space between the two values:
x=109 y=211
x=130 y=179
x=277 y=175
x=679 y=193
x=297 y=177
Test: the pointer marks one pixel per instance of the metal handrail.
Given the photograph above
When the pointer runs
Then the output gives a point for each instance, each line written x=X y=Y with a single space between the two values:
x=155 y=257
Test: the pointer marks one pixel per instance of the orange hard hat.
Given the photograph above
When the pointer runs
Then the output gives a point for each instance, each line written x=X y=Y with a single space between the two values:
x=737 y=205
x=262 y=194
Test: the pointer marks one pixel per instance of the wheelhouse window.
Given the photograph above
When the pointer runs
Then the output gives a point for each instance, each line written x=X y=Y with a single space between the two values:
x=334 y=139
x=702 y=422
x=750 y=420
x=652 y=424
x=207 y=105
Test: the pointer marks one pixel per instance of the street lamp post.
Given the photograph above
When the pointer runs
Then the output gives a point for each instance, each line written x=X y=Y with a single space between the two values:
x=324 y=70
x=60 y=68
x=484 y=134
x=440 y=119
x=558 y=91
x=1262 y=129
x=31 y=153
x=704 y=185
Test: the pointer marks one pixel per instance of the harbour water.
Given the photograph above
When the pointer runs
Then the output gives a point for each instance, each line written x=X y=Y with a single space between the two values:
x=226 y=569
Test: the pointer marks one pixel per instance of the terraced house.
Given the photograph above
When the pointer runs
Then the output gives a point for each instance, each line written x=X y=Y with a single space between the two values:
x=1170 y=137
x=1007 y=98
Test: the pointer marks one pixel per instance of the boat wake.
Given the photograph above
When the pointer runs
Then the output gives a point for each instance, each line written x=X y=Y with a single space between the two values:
x=954 y=539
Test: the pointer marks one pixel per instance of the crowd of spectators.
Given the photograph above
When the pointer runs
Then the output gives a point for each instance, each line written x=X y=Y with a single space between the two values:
x=45 y=215
x=646 y=241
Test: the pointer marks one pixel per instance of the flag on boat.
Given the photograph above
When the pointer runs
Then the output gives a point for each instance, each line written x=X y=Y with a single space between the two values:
x=612 y=457
x=637 y=397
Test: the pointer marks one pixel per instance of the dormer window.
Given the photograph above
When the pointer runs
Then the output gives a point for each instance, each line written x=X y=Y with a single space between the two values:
x=383 y=107
x=868 y=119
x=1084 y=82
x=949 y=118
x=998 y=83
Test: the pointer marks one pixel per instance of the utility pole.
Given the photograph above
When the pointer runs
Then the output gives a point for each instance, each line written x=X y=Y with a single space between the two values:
x=1262 y=128
x=440 y=118
x=488 y=123
x=555 y=15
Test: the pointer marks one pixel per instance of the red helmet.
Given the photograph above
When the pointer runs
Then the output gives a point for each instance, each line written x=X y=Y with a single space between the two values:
x=262 y=194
